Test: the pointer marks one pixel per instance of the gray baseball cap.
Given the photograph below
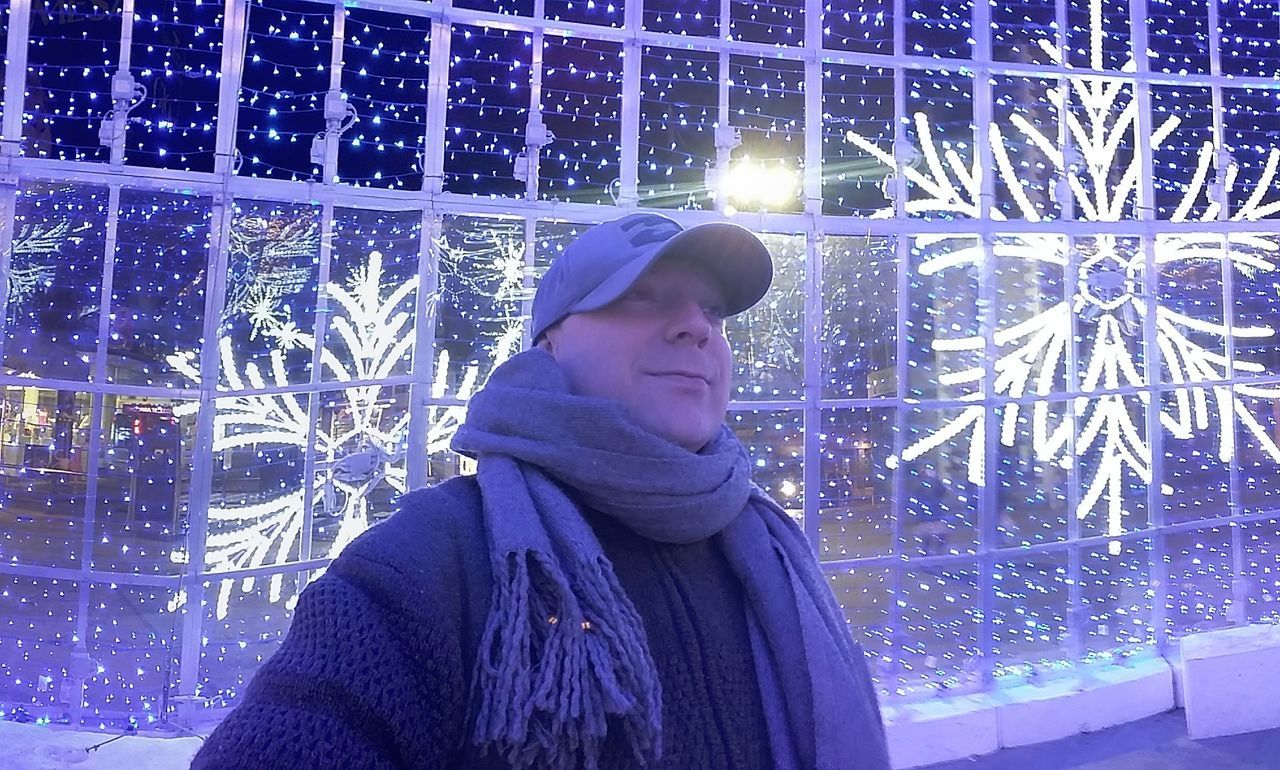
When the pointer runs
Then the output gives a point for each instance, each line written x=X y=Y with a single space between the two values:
x=602 y=263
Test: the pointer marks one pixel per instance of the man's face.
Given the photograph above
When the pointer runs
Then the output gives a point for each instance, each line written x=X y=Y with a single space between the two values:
x=659 y=350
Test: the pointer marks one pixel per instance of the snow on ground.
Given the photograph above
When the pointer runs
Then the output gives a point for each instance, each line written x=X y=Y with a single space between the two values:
x=35 y=747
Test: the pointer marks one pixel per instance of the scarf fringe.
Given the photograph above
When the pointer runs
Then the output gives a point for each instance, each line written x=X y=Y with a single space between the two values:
x=557 y=661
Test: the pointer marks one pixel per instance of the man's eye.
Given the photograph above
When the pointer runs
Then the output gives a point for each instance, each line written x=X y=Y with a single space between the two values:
x=714 y=307
x=641 y=294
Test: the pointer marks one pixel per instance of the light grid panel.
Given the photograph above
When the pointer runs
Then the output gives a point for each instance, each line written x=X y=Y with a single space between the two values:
x=1127 y=334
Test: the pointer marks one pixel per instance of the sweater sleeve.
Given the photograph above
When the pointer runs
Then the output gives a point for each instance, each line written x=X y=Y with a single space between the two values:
x=365 y=678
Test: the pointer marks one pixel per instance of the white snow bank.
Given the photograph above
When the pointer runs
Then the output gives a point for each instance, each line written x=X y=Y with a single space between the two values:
x=36 y=747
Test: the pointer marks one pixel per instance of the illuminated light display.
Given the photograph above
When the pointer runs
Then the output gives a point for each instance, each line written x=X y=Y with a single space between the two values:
x=1018 y=377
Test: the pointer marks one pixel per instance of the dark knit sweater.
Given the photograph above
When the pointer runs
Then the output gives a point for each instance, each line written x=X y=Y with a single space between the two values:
x=375 y=668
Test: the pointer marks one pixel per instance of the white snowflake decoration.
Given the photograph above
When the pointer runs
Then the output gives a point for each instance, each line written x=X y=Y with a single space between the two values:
x=263 y=251
x=376 y=335
x=27 y=276
x=370 y=334
x=1031 y=354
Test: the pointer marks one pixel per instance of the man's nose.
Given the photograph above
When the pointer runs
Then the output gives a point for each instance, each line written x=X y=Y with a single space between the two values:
x=688 y=321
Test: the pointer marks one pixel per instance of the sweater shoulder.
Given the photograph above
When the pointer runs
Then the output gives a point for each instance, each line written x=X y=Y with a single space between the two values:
x=425 y=517
x=437 y=532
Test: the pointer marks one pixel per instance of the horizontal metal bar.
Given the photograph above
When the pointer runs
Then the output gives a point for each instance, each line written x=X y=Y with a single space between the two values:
x=348 y=196
x=90 y=576
x=888 y=402
x=1017 y=551
x=267 y=569
x=809 y=49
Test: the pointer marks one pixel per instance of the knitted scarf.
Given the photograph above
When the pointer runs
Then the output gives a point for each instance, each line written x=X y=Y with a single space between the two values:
x=564 y=656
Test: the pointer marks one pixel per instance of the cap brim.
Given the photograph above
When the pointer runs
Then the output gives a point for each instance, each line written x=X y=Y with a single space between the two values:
x=735 y=257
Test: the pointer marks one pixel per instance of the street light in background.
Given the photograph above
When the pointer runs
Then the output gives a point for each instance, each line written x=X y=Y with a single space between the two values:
x=751 y=182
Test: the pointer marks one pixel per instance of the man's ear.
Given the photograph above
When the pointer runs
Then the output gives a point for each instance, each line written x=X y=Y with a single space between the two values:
x=547 y=342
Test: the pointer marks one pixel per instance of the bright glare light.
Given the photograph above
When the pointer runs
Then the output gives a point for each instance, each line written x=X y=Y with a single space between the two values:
x=749 y=182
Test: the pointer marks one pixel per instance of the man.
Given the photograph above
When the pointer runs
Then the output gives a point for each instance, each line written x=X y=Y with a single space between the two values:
x=609 y=591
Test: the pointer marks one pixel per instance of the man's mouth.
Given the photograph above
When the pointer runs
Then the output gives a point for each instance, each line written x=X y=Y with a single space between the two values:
x=684 y=374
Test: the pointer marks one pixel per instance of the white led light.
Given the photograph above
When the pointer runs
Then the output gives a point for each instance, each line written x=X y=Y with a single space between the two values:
x=1029 y=356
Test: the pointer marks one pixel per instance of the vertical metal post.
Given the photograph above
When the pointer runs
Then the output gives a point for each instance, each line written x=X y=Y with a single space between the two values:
x=629 y=171
x=724 y=130
x=234 y=43
x=94 y=451
x=310 y=462
x=119 y=114
x=813 y=126
x=988 y=314
x=428 y=295
x=333 y=140
x=93 y=464
x=1077 y=611
x=812 y=384
x=1241 y=584
x=902 y=249
x=534 y=151
x=814 y=299
x=533 y=154
x=9 y=184
x=11 y=139
x=437 y=107
x=424 y=329
x=329 y=176
x=1150 y=290
x=192 y=580
x=15 y=77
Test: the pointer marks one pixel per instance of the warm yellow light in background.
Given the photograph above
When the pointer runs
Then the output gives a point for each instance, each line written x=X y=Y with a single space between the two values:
x=750 y=182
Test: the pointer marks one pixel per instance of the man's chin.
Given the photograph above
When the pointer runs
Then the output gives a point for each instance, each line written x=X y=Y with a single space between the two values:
x=690 y=427
x=694 y=441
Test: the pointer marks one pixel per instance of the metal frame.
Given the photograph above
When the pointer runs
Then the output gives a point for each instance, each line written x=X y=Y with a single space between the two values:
x=224 y=187
x=1151 y=278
